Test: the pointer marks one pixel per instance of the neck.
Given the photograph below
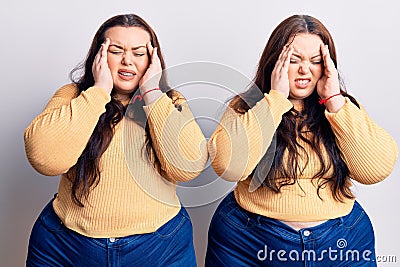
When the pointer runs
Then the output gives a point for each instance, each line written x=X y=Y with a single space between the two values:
x=123 y=98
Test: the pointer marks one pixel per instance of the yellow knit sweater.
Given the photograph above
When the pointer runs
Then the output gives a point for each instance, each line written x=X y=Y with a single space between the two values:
x=240 y=141
x=131 y=197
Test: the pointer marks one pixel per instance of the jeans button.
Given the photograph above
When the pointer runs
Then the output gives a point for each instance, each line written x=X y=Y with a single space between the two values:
x=306 y=233
x=112 y=239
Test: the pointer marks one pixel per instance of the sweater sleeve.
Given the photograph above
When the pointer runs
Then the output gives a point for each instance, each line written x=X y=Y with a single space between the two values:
x=368 y=150
x=56 y=138
x=240 y=140
x=178 y=141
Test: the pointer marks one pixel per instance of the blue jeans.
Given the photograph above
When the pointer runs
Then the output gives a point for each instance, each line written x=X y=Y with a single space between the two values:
x=240 y=238
x=53 y=244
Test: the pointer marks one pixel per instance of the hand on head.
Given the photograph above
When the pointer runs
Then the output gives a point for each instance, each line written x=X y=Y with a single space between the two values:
x=151 y=78
x=279 y=76
x=328 y=84
x=101 y=71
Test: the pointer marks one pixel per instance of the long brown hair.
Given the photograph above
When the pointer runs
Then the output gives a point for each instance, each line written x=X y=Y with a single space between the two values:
x=86 y=172
x=312 y=116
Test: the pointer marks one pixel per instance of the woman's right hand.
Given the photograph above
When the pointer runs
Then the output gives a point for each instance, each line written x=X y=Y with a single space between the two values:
x=101 y=71
x=279 y=75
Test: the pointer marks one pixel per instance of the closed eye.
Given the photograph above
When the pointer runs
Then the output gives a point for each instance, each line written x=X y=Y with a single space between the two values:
x=116 y=52
x=317 y=59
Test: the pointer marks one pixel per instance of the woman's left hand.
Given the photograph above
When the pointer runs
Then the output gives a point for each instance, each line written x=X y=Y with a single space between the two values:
x=328 y=84
x=151 y=79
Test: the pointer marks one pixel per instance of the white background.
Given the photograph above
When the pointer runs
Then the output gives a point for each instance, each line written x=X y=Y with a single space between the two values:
x=41 y=41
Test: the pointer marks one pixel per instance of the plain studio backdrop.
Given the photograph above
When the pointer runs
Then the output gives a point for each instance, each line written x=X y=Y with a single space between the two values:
x=41 y=41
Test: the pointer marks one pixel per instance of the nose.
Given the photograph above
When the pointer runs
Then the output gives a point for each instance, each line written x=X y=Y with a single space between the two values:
x=127 y=59
x=304 y=67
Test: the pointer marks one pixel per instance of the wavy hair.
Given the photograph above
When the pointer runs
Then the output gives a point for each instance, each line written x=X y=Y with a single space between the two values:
x=312 y=118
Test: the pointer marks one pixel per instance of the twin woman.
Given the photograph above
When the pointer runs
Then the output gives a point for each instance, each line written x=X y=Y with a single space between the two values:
x=121 y=140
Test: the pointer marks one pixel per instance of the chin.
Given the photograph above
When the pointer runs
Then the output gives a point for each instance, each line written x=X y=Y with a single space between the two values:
x=300 y=94
x=125 y=89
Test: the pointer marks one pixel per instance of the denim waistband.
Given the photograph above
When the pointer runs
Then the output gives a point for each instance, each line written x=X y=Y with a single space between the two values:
x=53 y=221
x=318 y=230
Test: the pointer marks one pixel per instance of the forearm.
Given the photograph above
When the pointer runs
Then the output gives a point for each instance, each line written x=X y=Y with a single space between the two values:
x=177 y=139
x=240 y=140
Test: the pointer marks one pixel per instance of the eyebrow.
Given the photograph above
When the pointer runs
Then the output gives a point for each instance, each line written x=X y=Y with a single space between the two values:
x=133 y=48
x=297 y=55
x=316 y=56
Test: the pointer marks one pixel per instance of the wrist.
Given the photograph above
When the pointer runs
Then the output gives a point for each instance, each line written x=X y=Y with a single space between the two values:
x=325 y=100
x=147 y=96
x=285 y=93
x=151 y=95
x=334 y=104
x=145 y=92
x=147 y=87
x=103 y=86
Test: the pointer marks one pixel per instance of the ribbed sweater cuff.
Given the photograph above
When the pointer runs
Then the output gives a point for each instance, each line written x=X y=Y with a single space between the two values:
x=160 y=105
x=96 y=98
x=345 y=117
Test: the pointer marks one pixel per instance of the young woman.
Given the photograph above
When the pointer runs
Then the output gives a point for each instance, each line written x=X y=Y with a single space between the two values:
x=300 y=211
x=102 y=215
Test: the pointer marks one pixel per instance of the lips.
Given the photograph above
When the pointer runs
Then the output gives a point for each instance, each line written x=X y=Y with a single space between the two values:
x=302 y=83
x=126 y=75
